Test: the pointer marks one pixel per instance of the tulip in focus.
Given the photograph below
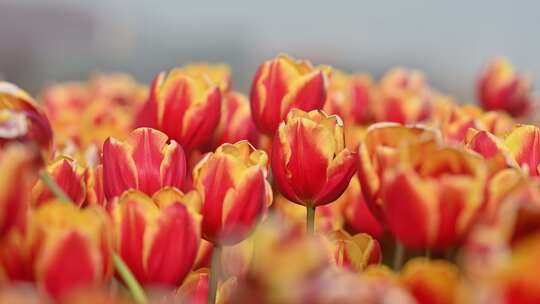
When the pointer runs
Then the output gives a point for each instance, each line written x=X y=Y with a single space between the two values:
x=282 y=84
x=157 y=237
x=310 y=163
x=145 y=162
x=500 y=87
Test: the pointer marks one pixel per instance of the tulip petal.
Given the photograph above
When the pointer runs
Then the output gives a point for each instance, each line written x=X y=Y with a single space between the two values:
x=340 y=173
x=523 y=144
x=119 y=170
x=173 y=167
x=147 y=146
x=307 y=93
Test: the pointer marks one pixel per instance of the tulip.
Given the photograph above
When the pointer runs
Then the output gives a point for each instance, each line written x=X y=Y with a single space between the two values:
x=500 y=87
x=282 y=84
x=69 y=176
x=143 y=162
x=432 y=194
x=431 y=282
x=356 y=252
x=235 y=193
x=402 y=96
x=377 y=151
x=219 y=74
x=235 y=123
x=70 y=248
x=22 y=119
x=310 y=163
x=157 y=237
x=523 y=146
x=185 y=107
x=122 y=89
x=18 y=172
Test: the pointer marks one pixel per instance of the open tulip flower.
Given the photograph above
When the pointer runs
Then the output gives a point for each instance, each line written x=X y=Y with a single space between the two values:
x=145 y=162
x=310 y=163
x=158 y=236
x=185 y=106
x=282 y=84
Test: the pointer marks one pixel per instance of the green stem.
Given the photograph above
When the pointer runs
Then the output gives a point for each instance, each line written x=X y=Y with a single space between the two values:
x=129 y=279
x=310 y=219
x=399 y=252
x=53 y=186
x=214 y=274
x=136 y=290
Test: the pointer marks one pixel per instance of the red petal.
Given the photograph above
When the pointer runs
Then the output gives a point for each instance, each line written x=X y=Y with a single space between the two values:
x=119 y=171
x=339 y=177
x=147 y=146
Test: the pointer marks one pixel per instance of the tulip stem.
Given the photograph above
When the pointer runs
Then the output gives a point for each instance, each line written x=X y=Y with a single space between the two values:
x=399 y=252
x=310 y=220
x=214 y=274
x=136 y=290
x=53 y=186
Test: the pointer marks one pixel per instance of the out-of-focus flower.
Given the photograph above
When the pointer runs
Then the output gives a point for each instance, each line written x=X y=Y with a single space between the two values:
x=69 y=176
x=523 y=144
x=355 y=252
x=378 y=151
x=235 y=260
x=358 y=217
x=500 y=87
x=282 y=84
x=145 y=161
x=18 y=172
x=120 y=88
x=236 y=123
x=158 y=237
x=310 y=163
x=22 y=119
x=70 y=248
x=431 y=282
x=235 y=193
x=402 y=96
x=184 y=106
x=459 y=120
x=220 y=74
x=349 y=97
x=432 y=195
x=96 y=295
x=194 y=290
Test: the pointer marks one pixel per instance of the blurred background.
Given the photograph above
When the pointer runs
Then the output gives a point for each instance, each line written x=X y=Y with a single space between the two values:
x=42 y=42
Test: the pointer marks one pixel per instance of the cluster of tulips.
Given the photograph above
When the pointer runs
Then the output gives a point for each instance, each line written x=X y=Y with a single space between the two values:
x=320 y=187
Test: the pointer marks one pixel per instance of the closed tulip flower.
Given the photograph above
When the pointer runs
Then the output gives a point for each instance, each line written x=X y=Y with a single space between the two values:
x=186 y=107
x=145 y=162
x=158 y=237
x=282 y=84
x=310 y=163
x=356 y=252
x=235 y=193
x=70 y=248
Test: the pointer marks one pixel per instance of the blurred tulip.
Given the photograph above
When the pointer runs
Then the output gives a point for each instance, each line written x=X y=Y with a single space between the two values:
x=502 y=88
x=523 y=145
x=402 y=96
x=70 y=248
x=157 y=237
x=236 y=123
x=145 y=162
x=235 y=193
x=194 y=290
x=282 y=84
x=235 y=260
x=431 y=282
x=22 y=119
x=349 y=97
x=220 y=74
x=310 y=163
x=120 y=88
x=69 y=176
x=378 y=151
x=18 y=172
x=432 y=195
x=355 y=252
x=184 y=106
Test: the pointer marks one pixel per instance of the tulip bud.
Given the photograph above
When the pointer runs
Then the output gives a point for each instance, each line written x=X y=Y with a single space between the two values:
x=235 y=193
x=502 y=88
x=157 y=237
x=70 y=248
x=143 y=162
x=282 y=84
x=22 y=119
x=355 y=252
x=310 y=163
x=431 y=196
x=185 y=107
x=68 y=176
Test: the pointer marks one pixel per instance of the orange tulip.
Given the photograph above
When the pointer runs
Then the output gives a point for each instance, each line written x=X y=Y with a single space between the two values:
x=145 y=162
x=500 y=87
x=282 y=84
x=157 y=237
x=235 y=193
x=310 y=163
